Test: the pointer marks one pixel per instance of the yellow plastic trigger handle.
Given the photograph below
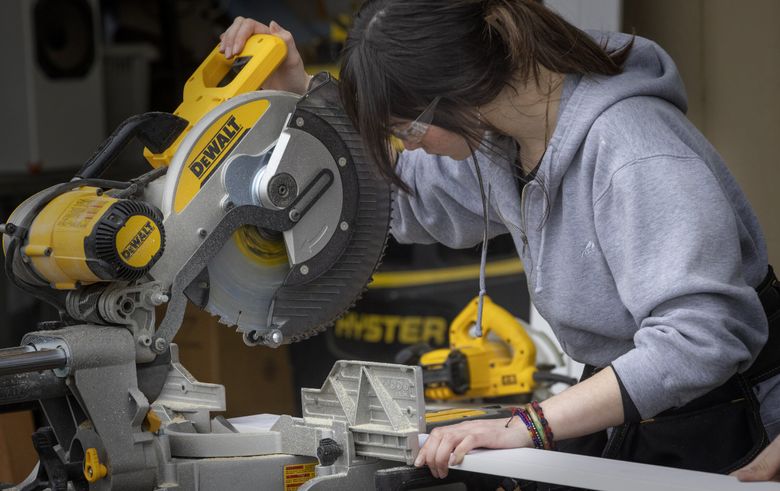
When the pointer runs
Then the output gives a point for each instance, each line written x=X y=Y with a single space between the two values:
x=211 y=83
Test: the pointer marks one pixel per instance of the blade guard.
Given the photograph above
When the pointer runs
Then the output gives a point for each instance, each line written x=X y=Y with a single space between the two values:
x=210 y=85
x=307 y=304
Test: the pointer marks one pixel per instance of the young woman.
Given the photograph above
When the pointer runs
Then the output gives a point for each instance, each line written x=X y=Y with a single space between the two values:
x=639 y=247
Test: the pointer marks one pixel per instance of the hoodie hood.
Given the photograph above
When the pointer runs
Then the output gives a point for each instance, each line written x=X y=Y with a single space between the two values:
x=648 y=71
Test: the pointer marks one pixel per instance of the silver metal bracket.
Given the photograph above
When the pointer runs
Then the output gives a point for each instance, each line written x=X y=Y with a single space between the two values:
x=381 y=404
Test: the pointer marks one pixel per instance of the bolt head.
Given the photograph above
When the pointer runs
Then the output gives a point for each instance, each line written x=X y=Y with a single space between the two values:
x=342 y=161
x=344 y=226
x=160 y=344
x=159 y=298
x=299 y=122
x=304 y=270
x=272 y=339
x=277 y=337
x=202 y=232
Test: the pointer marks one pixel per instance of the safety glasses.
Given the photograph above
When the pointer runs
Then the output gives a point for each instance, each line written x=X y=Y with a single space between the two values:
x=413 y=132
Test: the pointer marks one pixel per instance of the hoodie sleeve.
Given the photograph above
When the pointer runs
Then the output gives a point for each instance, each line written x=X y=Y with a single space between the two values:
x=445 y=205
x=670 y=238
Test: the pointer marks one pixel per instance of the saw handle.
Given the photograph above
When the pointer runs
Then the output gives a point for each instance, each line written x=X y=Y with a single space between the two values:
x=156 y=130
x=218 y=79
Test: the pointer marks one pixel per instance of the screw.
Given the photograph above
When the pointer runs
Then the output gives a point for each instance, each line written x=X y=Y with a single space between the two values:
x=344 y=226
x=299 y=122
x=304 y=270
x=202 y=233
x=160 y=344
x=228 y=205
x=158 y=298
x=277 y=336
x=295 y=215
x=273 y=339
x=342 y=161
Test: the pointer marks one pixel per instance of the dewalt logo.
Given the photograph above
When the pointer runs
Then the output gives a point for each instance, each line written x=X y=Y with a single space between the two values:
x=215 y=148
x=137 y=240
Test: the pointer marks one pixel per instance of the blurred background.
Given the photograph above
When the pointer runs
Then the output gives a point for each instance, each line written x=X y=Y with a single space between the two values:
x=75 y=69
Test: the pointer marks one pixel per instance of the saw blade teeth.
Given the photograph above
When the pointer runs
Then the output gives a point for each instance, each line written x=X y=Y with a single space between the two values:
x=222 y=317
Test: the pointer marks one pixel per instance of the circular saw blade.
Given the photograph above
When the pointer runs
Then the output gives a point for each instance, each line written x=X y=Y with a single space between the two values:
x=242 y=283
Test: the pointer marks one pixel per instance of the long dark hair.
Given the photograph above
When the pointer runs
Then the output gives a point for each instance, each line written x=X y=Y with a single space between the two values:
x=401 y=54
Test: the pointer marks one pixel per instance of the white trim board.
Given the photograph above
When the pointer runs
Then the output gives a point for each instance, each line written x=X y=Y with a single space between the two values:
x=599 y=474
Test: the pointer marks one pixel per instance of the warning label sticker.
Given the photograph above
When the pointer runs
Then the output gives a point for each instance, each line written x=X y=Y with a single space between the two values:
x=297 y=474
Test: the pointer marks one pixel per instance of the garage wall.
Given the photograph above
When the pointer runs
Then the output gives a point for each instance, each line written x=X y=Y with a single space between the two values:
x=729 y=55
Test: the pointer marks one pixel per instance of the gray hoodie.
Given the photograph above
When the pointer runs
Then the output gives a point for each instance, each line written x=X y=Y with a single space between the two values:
x=640 y=249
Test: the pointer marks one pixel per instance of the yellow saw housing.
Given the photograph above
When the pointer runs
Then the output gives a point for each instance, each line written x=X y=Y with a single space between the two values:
x=500 y=363
x=83 y=236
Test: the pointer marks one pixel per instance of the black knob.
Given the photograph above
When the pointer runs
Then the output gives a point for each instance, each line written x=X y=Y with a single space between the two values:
x=328 y=451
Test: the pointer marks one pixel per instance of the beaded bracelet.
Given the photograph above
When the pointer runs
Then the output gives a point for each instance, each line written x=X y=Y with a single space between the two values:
x=536 y=437
x=536 y=408
x=522 y=414
x=537 y=425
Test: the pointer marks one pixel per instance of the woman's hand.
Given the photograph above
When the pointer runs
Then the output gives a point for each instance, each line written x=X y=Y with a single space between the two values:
x=290 y=76
x=590 y=406
x=765 y=467
x=446 y=445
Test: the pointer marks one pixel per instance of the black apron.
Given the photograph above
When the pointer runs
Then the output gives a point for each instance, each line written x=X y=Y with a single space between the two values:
x=718 y=432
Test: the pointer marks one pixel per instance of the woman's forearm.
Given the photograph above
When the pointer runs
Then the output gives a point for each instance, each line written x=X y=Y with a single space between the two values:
x=590 y=406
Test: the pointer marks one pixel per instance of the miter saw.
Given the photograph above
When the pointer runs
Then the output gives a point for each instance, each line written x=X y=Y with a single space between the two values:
x=263 y=209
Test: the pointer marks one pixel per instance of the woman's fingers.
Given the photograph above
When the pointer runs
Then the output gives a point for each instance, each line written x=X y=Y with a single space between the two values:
x=247 y=28
x=441 y=458
x=428 y=451
x=765 y=467
x=465 y=446
x=235 y=37
x=437 y=453
x=226 y=45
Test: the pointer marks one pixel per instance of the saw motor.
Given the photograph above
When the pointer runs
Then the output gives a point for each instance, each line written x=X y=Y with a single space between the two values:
x=84 y=236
